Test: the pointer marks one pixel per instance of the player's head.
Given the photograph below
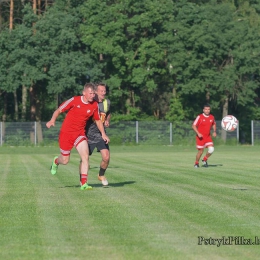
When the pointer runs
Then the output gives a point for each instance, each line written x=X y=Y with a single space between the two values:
x=101 y=91
x=206 y=109
x=88 y=92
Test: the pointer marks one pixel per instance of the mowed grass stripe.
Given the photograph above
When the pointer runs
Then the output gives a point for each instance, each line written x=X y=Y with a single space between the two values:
x=57 y=209
x=189 y=206
x=73 y=208
x=152 y=209
x=4 y=168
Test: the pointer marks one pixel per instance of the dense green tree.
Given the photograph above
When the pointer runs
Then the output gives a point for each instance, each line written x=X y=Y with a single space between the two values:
x=217 y=55
x=131 y=41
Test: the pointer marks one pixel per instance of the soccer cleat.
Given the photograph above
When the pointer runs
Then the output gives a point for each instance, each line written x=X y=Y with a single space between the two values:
x=54 y=166
x=86 y=187
x=196 y=166
x=205 y=163
x=103 y=180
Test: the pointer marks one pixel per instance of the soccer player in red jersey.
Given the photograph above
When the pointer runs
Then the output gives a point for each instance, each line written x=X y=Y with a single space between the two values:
x=202 y=126
x=72 y=133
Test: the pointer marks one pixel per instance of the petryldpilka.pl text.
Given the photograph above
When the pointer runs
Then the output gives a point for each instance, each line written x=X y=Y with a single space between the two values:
x=228 y=241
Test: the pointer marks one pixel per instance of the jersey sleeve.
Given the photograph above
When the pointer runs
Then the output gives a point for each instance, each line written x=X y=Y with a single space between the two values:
x=67 y=105
x=196 y=121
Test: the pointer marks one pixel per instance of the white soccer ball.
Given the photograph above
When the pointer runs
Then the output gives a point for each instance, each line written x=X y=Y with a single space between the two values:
x=229 y=123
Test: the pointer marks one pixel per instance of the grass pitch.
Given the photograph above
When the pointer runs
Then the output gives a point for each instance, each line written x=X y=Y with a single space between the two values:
x=157 y=206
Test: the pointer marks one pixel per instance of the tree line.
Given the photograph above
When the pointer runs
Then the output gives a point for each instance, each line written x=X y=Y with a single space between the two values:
x=161 y=59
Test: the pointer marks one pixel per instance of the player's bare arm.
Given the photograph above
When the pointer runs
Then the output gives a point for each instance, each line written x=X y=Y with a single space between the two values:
x=196 y=131
x=53 y=119
x=107 y=121
x=102 y=131
x=214 y=130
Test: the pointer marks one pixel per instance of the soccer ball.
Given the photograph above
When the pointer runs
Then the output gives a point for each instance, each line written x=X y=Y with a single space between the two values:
x=229 y=123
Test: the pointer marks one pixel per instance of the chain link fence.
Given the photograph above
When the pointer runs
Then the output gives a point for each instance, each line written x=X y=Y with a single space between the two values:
x=124 y=132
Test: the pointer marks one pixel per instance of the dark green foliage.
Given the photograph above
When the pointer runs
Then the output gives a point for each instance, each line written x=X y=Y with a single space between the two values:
x=160 y=59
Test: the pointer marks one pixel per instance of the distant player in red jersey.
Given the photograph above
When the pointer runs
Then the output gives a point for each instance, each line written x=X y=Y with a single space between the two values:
x=202 y=126
x=72 y=133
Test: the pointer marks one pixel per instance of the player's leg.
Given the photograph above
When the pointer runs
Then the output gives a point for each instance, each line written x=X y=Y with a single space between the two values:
x=82 y=148
x=200 y=148
x=65 y=148
x=210 y=147
x=208 y=154
x=198 y=156
x=103 y=148
x=61 y=159
x=91 y=148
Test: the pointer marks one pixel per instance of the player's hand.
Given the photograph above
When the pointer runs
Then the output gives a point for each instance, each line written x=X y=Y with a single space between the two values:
x=214 y=134
x=106 y=138
x=200 y=135
x=50 y=123
x=106 y=123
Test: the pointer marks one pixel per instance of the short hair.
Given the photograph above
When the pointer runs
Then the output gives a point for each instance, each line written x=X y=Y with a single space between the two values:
x=100 y=84
x=89 y=85
x=206 y=105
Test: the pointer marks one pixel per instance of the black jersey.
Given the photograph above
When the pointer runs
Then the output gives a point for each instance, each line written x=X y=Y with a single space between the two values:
x=92 y=132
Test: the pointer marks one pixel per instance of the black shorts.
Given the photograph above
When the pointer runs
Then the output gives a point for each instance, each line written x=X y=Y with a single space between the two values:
x=101 y=145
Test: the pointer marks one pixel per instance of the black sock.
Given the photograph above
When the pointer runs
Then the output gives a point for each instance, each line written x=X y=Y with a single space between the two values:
x=102 y=172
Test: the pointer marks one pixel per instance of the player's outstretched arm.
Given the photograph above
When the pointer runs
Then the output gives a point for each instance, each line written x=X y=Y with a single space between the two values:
x=53 y=119
x=102 y=131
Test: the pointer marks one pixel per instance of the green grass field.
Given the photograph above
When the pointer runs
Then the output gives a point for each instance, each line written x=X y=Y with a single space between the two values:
x=156 y=207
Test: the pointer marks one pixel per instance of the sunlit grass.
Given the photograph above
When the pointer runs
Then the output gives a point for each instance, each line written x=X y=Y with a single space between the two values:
x=156 y=206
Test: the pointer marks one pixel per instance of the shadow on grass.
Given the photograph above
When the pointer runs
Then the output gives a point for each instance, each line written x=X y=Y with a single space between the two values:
x=97 y=167
x=115 y=184
x=214 y=165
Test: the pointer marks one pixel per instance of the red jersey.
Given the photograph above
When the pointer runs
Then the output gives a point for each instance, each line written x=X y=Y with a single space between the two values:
x=79 y=112
x=204 y=123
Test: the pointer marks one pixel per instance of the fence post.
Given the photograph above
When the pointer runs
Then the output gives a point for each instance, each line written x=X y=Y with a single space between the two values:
x=136 y=132
x=252 y=132
x=170 y=133
x=35 y=132
x=1 y=130
x=238 y=133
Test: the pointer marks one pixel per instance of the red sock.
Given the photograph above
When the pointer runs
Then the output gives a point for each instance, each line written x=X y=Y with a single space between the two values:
x=83 y=178
x=56 y=161
x=205 y=158
x=196 y=162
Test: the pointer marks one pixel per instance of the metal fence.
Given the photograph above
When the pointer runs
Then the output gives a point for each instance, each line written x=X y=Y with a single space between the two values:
x=132 y=132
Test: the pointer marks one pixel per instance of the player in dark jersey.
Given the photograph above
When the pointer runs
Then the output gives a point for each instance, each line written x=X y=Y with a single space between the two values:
x=72 y=133
x=93 y=134
x=202 y=126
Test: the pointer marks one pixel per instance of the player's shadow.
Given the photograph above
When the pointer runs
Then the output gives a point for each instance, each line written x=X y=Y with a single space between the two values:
x=115 y=184
x=97 y=167
x=214 y=165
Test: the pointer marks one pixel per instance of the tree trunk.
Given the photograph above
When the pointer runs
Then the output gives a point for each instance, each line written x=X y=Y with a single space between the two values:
x=11 y=14
x=15 y=106
x=39 y=6
x=33 y=113
x=39 y=132
x=133 y=98
x=1 y=17
x=207 y=94
x=5 y=107
x=35 y=6
x=32 y=104
x=224 y=113
x=156 y=113
x=128 y=104
x=24 y=101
